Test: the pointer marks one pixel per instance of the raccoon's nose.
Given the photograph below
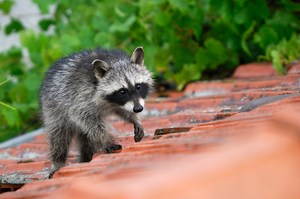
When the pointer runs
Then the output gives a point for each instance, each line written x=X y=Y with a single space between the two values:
x=138 y=108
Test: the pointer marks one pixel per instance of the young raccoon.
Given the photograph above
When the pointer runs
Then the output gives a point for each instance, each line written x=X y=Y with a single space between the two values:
x=80 y=91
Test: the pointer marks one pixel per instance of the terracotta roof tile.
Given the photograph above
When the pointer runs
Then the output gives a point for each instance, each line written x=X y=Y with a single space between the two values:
x=295 y=69
x=234 y=138
x=254 y=70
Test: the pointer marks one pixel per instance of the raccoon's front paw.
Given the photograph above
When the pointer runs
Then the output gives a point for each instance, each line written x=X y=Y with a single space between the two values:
x=111 y=148
x=138 y=133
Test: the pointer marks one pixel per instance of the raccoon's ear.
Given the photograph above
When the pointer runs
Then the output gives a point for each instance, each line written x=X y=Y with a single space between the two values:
x=137 y=56
x=100 y=67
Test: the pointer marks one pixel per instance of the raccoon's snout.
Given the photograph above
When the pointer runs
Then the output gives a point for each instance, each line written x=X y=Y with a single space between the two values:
x=138 y=108
x=135 y=107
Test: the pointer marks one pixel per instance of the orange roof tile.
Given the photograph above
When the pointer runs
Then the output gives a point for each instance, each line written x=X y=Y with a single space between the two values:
x=217 y=139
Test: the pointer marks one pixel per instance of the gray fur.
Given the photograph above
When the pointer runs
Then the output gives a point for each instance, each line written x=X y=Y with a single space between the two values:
x=73 y=100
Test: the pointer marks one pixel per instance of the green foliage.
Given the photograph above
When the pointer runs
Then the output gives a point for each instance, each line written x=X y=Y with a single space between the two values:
x=18 y=98
x=184 y=40
x=284 y=53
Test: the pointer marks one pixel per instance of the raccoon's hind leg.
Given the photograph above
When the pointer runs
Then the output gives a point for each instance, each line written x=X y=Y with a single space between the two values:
x=86 y=148
x=108 y=143
x=105 y=140
x=59 y=141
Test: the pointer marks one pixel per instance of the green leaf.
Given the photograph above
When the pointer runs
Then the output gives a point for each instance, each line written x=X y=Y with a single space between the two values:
x=276 y=61
x=156 y=2
x=292 y=6
x=216 y=52
x=283 y=53
x=14 y=26
x=181 y=5
x=123 y=26
x=103 y=39
x=6 y=6
x=4 y=82
x=189 y=72
x=162 y=19
x=46 y=23
x=279 y=23
x=245 y=36
x=266 y=36
x=119 y=12
x=44 y=5
x=262 y=6
x=202 y=57
x=11 y=116
x=18 y=93
x=8 y=106
x=69 y=42
x=36 y=43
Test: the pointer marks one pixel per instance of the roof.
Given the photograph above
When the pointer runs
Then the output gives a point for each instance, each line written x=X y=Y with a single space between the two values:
x=231 y=138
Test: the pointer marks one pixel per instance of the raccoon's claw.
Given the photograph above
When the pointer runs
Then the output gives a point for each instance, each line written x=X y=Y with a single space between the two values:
x=56 y=165
x=112 y=148
x=51 y=173
x=138 y=133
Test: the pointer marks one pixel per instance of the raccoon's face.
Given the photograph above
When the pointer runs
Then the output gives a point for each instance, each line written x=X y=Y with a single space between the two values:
x=130 y=98
x=126 y=83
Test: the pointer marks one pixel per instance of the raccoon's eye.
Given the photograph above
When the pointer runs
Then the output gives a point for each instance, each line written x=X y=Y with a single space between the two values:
x=122 y=91
x=138 y=87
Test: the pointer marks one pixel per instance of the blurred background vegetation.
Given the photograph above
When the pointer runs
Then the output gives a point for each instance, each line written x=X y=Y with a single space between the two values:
x=184 y=40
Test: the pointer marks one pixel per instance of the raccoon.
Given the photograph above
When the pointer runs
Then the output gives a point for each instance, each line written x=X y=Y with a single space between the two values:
x=80 y=91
